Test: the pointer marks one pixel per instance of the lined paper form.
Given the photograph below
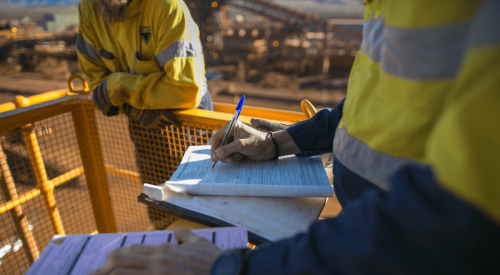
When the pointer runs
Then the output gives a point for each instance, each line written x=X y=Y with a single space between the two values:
x=289 y=176
x=83 y=254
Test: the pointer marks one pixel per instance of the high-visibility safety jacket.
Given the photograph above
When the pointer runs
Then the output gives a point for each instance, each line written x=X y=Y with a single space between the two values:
x=416 y=146
x=413 y=57
x=151 y=60
x=409 y=60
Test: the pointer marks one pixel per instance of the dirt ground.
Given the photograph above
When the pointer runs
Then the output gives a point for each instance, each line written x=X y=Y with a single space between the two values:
x=73 y=200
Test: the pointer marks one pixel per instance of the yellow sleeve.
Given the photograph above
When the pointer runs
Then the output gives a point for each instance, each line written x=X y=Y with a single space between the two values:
x=174 y=78
x=464 y=149
x=88 y=56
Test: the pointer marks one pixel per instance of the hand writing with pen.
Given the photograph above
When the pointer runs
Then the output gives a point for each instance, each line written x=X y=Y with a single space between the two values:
x=250 y=143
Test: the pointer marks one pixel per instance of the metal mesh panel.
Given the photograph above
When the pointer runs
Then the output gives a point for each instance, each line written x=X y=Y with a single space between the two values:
x=118 y=153
x=54 y=140
x=14 y=260
x=151 y=155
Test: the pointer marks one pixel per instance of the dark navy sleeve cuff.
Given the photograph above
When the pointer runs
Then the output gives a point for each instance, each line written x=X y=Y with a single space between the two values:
x=315 y=135
x=309 y=137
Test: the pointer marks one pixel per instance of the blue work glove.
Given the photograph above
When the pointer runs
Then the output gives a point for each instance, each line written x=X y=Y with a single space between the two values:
x=101 y=100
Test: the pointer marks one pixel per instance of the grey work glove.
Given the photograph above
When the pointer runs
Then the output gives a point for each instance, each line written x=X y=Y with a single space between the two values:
x=130 y=111
x=101 y=100
x=152 y=119
x=158 y=119
x=266 y=126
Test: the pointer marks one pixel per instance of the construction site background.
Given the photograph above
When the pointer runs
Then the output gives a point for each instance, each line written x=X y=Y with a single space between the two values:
x=275 y=55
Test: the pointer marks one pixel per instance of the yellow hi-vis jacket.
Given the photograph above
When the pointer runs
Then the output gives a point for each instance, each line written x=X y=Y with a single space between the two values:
x=151 y=60
x=407 y=64
x=416 y=59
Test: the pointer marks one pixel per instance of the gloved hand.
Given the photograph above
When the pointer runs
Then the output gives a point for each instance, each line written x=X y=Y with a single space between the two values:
x=152 y=119
x=130 y=111
x=195 y=255
x=158 y=119
x=266 y=126
x=101 y=100
x=245 y=142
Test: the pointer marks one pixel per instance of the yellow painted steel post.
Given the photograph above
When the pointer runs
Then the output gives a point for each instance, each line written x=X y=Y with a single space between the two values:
x=87 y=136
x=36 y=161
x=20 y=220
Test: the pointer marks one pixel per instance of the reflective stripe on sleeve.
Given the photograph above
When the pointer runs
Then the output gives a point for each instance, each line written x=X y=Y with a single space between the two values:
x=423 y=53
x=372 y=38
x=87 y=49
x=183 y=48
x=179 y=48
x=374 y=166
x=486 y=28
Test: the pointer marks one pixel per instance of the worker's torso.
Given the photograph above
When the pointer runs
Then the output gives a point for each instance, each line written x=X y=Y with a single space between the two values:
x=408 y=61
x=131 y=45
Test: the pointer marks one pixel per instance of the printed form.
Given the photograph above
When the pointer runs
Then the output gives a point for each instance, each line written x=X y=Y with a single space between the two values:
x=289 y=176
x=83 y=254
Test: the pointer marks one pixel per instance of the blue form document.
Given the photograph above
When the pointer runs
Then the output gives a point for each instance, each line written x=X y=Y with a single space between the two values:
x=289 y=176
x=83 y=254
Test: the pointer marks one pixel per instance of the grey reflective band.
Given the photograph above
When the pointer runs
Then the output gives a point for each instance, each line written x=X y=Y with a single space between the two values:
x=423 y=53
x=372 y=38
x=486 y=28
x=183 y=48
x=85 y=48
x=374 y=166
x=179 y=48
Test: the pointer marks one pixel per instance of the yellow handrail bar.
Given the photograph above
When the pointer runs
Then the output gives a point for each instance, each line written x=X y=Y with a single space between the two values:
x=259 y=112
x=122 y=173
x=9 y=106
x=20 y=200
x=22 y=101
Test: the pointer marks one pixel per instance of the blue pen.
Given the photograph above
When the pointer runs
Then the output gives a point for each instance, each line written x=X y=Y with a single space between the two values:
x=237 y=113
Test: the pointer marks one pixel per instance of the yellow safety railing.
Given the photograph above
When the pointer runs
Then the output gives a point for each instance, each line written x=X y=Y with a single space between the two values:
x=67 y=169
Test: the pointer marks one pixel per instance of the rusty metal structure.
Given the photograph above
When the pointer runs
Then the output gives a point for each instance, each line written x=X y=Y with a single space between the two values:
x=26 y=38
x=280 y=38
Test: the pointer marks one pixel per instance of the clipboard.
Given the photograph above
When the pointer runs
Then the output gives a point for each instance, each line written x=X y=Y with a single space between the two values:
x=266 y=218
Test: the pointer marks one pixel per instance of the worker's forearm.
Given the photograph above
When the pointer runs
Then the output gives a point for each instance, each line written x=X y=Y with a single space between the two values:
x=154 y=91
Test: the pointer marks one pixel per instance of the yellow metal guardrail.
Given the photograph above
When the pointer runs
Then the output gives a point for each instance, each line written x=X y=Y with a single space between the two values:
x=67 y=169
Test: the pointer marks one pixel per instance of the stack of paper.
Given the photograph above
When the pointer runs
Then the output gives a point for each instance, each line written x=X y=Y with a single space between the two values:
x=289 y=176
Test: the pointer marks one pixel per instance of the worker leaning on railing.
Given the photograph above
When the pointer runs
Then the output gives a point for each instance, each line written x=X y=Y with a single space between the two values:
x=416 y=148
x=145 y=57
